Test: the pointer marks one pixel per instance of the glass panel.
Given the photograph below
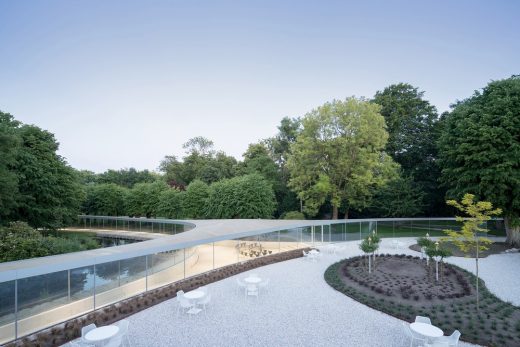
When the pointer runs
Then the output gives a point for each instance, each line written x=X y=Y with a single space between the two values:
x=226 y=252
x=337 y=233
x=366 y=229
x=81 y=290
x=289 y=239
x=107 y=281
x=385 y=229
x=7 y=311
x=306 y=237
x=165 y=268
x=199 y=259
x=39 y=301
x=352 y=231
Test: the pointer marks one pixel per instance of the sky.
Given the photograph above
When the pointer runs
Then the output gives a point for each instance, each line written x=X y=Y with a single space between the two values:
x=124 y=83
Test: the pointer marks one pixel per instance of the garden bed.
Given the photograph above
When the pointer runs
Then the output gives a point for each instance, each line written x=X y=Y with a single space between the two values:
x=404 y=287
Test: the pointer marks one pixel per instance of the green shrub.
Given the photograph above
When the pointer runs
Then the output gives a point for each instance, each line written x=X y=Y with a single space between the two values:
x=296 y=215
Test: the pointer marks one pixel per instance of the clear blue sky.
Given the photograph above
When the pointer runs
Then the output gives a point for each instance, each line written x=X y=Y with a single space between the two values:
x=123 y=83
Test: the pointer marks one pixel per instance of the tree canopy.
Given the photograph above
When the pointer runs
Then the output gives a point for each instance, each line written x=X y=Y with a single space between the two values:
x=411 y=125
x=339 y=155
x=480 y=149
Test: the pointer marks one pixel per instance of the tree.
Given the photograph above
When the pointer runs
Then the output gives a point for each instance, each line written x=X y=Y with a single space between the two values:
x=339 y=155
x=126 y=177
x=194 y=200
x=201 y=162
x=467 y=239
x=249 y=196
x=143 y=198
x=480 y=150
x=400 y=197
x=50 y=195
x=170 y=204
x=9 y=145
x=411 y=122
x=258 y=160
x=106 y=200
x=369 y=246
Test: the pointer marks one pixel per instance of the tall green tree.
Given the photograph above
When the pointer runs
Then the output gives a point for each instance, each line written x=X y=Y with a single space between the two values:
x=480 y=150
x=170 y=204
x=194 y=200
x=50 y=195
x=201 y=162
x=106 y=200
x=339 y=156
x=143 y=199
x=400 y=197
x=248 y=196
x=126 y=177
x=9 y=146
x=410 y=121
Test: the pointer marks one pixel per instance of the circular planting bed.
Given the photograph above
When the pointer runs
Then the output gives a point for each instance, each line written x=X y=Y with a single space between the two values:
x=404 y=287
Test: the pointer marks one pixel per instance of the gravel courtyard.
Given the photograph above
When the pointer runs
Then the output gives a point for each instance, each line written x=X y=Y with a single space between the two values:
x=299 y=310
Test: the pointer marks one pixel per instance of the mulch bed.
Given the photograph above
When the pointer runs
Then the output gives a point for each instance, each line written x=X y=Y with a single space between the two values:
x=404 y=287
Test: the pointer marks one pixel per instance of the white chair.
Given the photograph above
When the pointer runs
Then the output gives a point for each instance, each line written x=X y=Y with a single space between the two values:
x=240 y=285
x=305 y=255
x=184 y=304
x=411 y=334
x=123 y=331
x=252 y=290
x=451 y=341
x=205 y=301
x=264 y=285
x=422 y=319
x=84 y=332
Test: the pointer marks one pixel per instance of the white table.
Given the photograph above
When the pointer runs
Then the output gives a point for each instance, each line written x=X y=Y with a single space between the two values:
x=193 y=296
x=101 y=335
x=252 y=280
x=426 y=330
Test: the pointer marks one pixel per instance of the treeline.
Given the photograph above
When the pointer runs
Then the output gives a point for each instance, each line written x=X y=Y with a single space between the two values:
x=389 y=156
x=248 y=196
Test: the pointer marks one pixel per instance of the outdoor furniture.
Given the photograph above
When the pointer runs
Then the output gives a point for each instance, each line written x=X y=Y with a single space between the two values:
x=205 y=301
x=123 y=331
x=193 y=296
x=240 y=284
x=252 y=290
x=252 y=280
x=408 y=331
x=84 y=331
x=428 y=331
x=451 y=341
x=422 y=319
x=264 y=285
x=101 y=336
x=184 y=303
x=314 y=255
x=305 y=255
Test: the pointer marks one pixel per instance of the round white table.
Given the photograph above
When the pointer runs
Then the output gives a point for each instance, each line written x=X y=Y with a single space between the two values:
x=252 y=280
x=426 y=330
x=101 y=334
x=194 y=295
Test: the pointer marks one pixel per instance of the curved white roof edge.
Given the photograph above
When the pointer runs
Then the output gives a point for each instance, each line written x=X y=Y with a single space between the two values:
x=204 y=231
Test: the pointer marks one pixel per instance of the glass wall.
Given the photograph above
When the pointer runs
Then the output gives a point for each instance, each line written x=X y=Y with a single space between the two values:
x=165 y=268
x=7 y=311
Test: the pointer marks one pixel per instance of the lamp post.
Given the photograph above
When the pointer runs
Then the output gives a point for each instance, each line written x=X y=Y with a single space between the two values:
x=437 y=259
x=369 y=257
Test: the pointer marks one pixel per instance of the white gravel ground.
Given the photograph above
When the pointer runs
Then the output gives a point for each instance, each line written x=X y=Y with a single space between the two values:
x=301 y=309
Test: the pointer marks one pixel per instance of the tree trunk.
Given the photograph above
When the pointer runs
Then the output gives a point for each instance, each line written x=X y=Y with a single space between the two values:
x=334 y=212
x=512 y=232
x=346 y=214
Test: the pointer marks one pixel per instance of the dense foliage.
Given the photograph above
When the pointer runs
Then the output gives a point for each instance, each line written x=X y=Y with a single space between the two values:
x=339 y=156
x=480 y=149
x=249 y=196
x=37 y=185
x=19 y=241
